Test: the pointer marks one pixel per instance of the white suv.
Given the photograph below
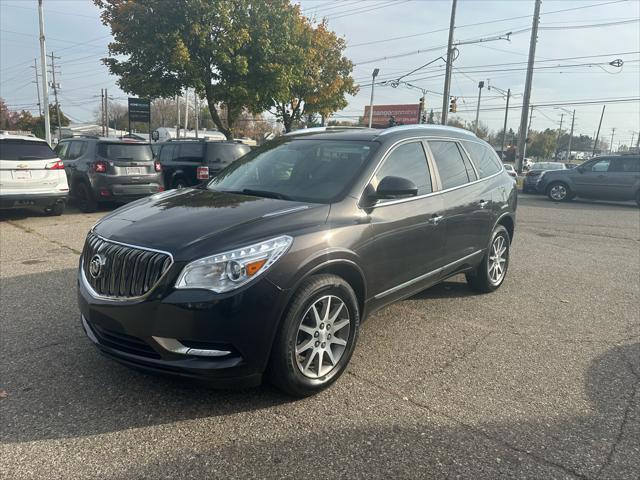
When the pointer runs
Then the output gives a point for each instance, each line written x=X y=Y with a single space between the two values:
x=31 y=174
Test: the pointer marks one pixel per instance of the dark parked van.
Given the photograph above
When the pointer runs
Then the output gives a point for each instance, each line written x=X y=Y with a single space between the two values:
x=186 y=163
x=108 y=170
x=271 y=268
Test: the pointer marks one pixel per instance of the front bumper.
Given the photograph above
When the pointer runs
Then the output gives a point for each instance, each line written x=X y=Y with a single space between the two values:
x=238 y=327
x=33 y=199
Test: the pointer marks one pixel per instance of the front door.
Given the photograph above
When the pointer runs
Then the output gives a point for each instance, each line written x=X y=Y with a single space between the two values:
x=406 y=238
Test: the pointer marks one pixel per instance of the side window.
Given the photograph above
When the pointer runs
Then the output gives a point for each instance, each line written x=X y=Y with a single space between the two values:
x=625 y=165
x=407 y=161
x=191 y=152
x=600 y=166
x=450 y=163
x=484 y=159
x=62 y=149
x=166 y=153
x=76 y=150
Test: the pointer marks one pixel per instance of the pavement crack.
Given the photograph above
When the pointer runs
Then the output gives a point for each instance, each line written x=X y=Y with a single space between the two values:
x=478 y=431
x=463 y=355
x=44 y=237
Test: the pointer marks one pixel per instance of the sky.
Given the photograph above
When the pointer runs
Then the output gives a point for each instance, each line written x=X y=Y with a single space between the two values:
x=576 y=41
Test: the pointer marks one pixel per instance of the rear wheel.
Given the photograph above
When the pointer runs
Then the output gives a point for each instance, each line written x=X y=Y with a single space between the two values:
x=559 y=192
x=317 y=337
x=87 y=202
x=179 y=183
x=492 y=271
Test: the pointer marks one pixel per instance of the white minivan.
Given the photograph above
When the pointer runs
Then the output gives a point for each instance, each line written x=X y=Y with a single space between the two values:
x=31 y=174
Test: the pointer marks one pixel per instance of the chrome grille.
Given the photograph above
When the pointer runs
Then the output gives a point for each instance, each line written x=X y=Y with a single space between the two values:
x=127 y=271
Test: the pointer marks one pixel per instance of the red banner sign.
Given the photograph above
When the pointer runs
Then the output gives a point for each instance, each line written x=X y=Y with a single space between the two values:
x=402 y=114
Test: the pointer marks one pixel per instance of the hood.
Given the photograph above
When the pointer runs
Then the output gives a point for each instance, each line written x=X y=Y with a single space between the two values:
x=192 y=223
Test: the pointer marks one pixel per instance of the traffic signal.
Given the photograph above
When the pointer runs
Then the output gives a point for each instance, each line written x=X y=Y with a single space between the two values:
x=453 y=108
x=421 y=110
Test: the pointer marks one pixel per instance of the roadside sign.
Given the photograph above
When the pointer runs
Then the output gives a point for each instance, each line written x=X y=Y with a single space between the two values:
x=139 y=109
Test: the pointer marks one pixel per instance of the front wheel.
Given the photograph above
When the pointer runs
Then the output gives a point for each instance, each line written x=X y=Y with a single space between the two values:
x=317 y=336
x=492 y=271
x=87 y=202
x=559 y=192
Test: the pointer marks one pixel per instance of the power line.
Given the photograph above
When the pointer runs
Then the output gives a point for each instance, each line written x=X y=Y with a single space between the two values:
x=369 y=8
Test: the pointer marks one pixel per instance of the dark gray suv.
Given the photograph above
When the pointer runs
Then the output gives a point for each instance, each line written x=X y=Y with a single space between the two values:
x=270 y=268
x=604 y=178
x=109 y=170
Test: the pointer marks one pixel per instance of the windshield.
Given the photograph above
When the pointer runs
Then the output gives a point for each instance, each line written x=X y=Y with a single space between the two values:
x=548 y=166
x=305 y=170
x=25 y=150
x=125 y=151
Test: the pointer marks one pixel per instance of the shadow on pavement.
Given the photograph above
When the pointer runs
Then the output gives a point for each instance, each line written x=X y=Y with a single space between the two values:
x=60 y=387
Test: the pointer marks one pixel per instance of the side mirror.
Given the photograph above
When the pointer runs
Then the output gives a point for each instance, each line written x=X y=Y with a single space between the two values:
x=396 y=187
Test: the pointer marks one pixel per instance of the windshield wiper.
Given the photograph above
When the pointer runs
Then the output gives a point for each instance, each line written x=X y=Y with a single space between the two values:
x=260 y=193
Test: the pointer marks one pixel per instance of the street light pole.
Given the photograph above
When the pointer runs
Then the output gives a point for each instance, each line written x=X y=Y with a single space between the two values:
x=480 y=85
x=373 y=84
x=573 y=119
x=447 y=76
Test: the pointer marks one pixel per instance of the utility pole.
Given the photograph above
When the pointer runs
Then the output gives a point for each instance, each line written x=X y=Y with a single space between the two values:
x=449 y=66
x=480 y=85
x=374 y=74
x=43 y=71
x=102 y=110
x=186 y=112
x=558 y=137
x=504 y=128
x=178 y=124
x=527 y=86
x=613 y=131
x=55 y=94
x=595 y=143
x=524 y=150
x=573 y=119
x=35 y=66
x=106 y=110
x=196 y=111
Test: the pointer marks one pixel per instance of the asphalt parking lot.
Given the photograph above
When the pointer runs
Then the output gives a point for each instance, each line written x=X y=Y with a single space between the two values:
x=538 y=380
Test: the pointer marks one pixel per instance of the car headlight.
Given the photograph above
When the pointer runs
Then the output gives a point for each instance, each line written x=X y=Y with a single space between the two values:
x=229 y=270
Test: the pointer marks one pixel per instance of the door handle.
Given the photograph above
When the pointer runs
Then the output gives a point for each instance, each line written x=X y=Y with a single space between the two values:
x=435 y=218
x=482 y=203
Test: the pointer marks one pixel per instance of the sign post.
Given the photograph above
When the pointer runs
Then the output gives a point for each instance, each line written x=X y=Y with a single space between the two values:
x=139 y=111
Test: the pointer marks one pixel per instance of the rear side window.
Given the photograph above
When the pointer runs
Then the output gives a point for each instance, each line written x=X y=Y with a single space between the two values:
x=190 y=152
x=485 y=159
x=225 y=153
x=62 y=149
x=450 y=163
x=25 y=150
x=76 y=150
x=167 y=153
x=625 y=165
x=407 y=161
x=125 y=151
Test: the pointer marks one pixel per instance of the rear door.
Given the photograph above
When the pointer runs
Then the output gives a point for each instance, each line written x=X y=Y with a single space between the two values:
x=623 y=177
x=30 y=167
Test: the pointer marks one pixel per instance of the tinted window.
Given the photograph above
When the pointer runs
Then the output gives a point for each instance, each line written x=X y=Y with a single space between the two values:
x=76 y=150
x=484 y=159
x=191 y=152
x=625 y=164
x=600 y=166
x=61 y=149
x=450 y=164
x=225 y=153
x=548 y=166
x=407 y=161
x=25 y=150
x=166 y=153
x=125 y=151
x=304 y=170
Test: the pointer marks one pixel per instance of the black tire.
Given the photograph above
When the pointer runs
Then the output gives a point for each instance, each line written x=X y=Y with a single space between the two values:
x=55 y=210
x=480 y=279
x=178 y=183
x=559 y=192
x=87 y=202
x=283 y=370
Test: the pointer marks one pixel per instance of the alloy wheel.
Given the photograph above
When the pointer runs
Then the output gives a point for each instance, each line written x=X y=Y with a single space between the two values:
x=322 y=336
x=498 y=260
x=558 y=192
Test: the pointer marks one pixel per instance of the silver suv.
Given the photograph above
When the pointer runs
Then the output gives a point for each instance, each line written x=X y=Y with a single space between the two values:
x=603 y=178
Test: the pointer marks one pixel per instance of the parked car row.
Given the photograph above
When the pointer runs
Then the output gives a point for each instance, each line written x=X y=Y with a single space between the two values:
x=93 y=170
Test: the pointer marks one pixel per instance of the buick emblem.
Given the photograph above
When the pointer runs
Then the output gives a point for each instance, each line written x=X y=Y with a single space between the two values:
x=96 y=266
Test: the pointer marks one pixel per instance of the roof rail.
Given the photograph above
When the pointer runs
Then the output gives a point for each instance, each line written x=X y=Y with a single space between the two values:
x=427 y=127
x=302 y=131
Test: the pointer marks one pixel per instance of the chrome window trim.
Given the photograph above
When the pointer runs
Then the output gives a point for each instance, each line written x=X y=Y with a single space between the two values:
x=438 y=270
x=94 y=294
x=418 y=197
